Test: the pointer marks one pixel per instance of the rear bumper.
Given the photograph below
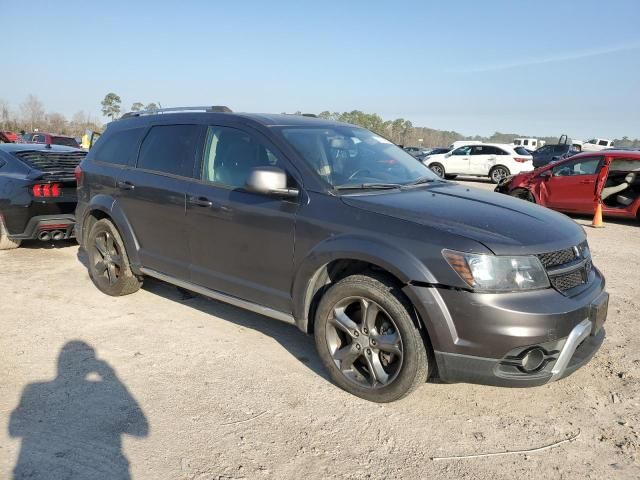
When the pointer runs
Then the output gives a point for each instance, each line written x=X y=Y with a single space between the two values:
x=64 y=223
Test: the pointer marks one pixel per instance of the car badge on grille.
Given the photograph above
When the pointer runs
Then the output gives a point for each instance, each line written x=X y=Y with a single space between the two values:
x=577 y=251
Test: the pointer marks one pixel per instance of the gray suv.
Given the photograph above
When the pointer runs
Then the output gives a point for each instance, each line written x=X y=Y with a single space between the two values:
x=397 y=273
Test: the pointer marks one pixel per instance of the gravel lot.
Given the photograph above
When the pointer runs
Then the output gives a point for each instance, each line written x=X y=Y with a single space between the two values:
x=189 y=388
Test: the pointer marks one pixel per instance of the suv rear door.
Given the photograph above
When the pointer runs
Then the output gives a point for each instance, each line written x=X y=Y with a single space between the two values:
x=242 y=243
x=152 y=196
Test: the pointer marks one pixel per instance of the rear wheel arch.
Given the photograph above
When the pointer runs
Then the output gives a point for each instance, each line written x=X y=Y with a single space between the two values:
x=105 y=207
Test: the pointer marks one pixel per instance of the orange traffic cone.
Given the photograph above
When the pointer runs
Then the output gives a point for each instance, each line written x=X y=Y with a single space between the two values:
x=597 y=217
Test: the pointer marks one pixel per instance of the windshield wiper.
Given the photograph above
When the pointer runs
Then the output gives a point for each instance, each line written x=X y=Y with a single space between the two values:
x=368 y=186
x=420 y=181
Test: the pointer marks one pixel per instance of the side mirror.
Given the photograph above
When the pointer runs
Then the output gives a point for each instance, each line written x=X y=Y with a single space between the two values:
x=270 y=181
x=448 y=154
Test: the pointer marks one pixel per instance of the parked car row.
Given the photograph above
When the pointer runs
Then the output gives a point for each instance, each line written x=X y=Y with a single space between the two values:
x=39 y=138
x=395 y=271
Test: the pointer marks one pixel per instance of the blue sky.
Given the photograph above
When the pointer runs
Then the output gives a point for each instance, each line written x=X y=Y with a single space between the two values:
x=541 y=67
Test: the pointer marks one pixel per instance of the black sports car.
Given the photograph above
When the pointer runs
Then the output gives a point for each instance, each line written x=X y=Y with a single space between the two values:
x=37 y=192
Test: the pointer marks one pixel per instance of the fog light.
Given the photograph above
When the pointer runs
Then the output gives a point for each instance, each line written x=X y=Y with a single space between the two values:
x=533 y=360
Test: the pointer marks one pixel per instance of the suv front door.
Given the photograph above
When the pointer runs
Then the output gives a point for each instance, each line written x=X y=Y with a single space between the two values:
x=458 y=160
x=152 y=196
x=571 y=186
x=242 y=243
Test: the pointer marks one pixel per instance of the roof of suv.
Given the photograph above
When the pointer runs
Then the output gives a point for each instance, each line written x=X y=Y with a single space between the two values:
x=265 y=119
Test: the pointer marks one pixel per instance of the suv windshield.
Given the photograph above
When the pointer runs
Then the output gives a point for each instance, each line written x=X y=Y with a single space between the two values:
x=351 y=157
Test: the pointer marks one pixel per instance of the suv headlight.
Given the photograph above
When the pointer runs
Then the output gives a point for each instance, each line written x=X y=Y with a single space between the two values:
x=498 y=273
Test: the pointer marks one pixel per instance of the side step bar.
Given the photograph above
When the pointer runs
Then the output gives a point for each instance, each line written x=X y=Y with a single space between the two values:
x=235 y=301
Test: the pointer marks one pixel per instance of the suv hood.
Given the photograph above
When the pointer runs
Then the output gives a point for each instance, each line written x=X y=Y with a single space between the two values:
x=505 y=225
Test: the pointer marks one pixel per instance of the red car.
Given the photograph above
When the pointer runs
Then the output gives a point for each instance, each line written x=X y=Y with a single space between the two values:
x=573 y=185
x=8 y=137
x=51 y=139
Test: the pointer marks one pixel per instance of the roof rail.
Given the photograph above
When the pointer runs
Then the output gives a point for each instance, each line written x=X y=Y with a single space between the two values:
x=209 y=109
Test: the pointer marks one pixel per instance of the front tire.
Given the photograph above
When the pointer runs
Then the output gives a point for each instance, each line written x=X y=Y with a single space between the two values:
x=109 y=267
x=367 y=339
x=498 y=172
x=523 y=194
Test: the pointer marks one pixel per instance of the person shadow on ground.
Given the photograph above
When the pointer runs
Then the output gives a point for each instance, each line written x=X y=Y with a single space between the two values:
x=71 y=427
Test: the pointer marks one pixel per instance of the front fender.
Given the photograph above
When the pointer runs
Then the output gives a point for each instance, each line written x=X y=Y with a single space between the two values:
x=399 y=263
x=110 y=207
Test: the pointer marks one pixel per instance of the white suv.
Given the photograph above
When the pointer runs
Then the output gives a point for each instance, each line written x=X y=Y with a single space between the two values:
x=492 y=160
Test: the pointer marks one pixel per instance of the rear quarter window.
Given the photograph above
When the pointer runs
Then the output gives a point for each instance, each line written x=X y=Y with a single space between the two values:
x=119 y=148
x=521 y=151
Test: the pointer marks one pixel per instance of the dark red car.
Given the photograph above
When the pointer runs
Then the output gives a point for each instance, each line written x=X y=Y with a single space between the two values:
x=8 y=137
x=573 y=185
x=51 y=139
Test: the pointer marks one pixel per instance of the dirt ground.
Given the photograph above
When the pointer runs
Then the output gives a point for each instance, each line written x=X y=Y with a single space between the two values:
x=158 y=386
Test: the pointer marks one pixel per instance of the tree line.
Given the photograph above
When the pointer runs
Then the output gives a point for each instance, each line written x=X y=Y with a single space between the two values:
x=32 y=115
x=402 y=132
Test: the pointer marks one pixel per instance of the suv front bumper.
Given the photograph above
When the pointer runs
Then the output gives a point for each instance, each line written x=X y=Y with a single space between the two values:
x=485 y=338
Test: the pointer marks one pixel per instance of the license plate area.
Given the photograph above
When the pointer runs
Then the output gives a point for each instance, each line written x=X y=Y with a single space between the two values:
x=598 y=313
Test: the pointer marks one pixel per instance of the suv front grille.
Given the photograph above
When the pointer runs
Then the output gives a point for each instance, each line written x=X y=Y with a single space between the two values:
x=568 y=268
x=553 y=259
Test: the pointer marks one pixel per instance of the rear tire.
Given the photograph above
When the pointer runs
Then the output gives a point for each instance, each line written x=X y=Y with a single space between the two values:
x=523 y=194
x=5 y=242
x=109 y=267
x=438 y=169
x=498 y=172
x=368 y=341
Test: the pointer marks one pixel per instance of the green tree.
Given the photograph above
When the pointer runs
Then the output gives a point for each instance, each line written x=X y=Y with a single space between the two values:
x=151 y=106
x=137 y=106
x=111 y=105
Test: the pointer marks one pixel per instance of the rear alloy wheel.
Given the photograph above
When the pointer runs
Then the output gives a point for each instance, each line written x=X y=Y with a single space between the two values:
x=523 y=194
x=368 y=341
x=108 y=261
x=438 y=169
x=498 y=173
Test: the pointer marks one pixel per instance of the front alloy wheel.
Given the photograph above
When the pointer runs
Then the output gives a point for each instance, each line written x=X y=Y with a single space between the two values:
x=364 y=342
x=368 y=339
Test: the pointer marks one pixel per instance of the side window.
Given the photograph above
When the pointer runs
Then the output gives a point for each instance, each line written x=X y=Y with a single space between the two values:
x=603 y=143
x=584 y=166
x=479 y=150
x=170 y=149
x=526 y=142
x=462 y=151
x=120 y=147
x=231 y=154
